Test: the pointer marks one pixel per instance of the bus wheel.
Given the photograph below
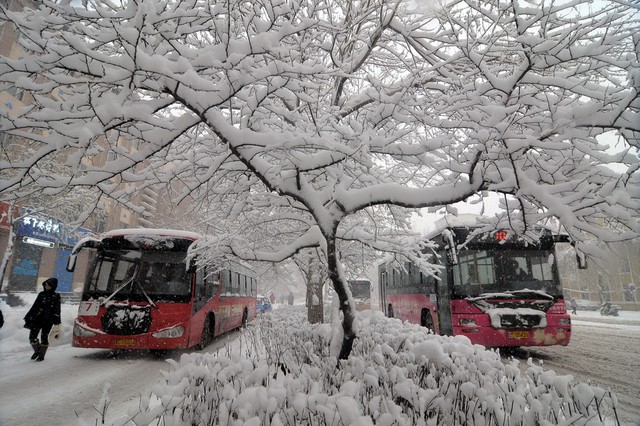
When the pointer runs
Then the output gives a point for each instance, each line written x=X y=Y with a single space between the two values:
x=205 y=337
x=390 y=311
x=245 y=318
x=425 y=319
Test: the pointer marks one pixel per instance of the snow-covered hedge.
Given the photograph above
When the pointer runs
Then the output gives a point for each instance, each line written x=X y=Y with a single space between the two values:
x=282 y=373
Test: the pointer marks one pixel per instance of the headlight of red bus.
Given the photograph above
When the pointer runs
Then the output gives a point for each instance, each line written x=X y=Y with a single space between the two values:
x=80 y=331
x=565 y=321
x=169 y=333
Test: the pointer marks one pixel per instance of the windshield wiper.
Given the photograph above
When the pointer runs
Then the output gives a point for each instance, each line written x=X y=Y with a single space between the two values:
x=126 y=283
x=145 y=294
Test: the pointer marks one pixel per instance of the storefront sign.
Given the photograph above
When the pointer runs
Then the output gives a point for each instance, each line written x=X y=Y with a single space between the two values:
x=43 y=227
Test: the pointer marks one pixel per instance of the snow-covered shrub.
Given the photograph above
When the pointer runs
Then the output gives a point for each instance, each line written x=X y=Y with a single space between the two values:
x=398 y=374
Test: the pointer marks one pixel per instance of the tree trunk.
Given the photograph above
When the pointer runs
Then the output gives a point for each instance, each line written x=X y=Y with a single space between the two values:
x=346 y=305
x=315 y=306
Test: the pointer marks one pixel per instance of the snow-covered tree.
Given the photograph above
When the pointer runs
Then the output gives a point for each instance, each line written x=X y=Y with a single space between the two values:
x=73 y=205
x=312 y=111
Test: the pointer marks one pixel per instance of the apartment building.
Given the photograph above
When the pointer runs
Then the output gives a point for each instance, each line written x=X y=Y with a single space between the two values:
x=35 y=241
x=614 y=277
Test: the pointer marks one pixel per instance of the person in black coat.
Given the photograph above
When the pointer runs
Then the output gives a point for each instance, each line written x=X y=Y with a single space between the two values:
x=42 y=316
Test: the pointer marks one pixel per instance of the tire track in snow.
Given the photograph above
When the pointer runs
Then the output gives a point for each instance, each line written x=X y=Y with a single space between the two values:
x=601 y=354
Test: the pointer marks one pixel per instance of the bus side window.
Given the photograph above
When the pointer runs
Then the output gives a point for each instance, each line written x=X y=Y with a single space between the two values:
x=226 y=282
x=213 y=283
x=199 y=299
x=200 y=284
x=235 y=284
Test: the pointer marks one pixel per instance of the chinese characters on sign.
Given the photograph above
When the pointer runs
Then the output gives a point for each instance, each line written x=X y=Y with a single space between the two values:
x=41 y=224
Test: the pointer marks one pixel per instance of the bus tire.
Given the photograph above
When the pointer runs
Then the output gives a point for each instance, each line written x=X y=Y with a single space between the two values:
x=390 y=311
x=245 y=318
x=426 y=320
x=205 y=337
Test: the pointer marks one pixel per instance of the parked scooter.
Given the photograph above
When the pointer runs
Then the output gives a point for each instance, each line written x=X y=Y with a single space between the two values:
x=609 y=308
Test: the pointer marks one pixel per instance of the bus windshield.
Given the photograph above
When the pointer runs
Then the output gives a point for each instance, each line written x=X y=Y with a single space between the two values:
x=483 y=271
x=360 y=289
x=139 y=275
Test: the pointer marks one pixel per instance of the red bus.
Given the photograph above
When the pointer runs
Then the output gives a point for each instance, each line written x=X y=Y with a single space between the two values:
x=494 y=288
x=361 y=293
x=142 y=292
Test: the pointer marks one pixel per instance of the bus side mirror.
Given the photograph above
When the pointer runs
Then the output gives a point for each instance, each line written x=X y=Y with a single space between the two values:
x=85 y=242
x=192 y=265
x=71 y=263
x=453 y=258
x=450 y=244
x=582 y=261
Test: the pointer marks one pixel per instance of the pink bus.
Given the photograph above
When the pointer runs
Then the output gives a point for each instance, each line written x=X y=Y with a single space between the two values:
x=495 y=288
x=142 y=292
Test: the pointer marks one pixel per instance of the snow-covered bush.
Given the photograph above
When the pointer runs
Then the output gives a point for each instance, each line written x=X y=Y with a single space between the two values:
x=282 y=373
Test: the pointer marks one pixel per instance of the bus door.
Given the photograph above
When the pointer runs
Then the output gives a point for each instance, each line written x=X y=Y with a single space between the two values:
x=444 y=301
x=200 y=296
x=383 y=292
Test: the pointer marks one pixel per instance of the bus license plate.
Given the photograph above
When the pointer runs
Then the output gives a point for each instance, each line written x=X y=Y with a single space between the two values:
x=125 y=342
x=518 y=334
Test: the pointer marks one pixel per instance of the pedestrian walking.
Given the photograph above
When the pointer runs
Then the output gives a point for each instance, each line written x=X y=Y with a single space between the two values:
x=574 y=306
x=43 y=315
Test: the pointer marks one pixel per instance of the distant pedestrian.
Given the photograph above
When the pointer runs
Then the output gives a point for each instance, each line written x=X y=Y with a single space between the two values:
x=1 y=319
x=574 y=306
x=272 y=298
x=43 y=315
x=291 y=298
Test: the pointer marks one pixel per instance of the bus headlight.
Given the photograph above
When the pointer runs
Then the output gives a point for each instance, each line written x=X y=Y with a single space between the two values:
x=80 y=331
x=565 y=321
x=169 y=333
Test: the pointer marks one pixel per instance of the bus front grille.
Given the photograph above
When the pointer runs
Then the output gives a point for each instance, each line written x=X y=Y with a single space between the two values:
x=519 y=321
x=126 y=320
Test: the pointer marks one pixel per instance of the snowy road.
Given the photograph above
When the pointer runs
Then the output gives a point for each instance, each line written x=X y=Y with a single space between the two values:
x=69 y=383
x=66 y=387
x=604 y=351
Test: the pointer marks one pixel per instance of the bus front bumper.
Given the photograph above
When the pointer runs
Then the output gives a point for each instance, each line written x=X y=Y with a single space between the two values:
x=492 y=337
x=85 y=337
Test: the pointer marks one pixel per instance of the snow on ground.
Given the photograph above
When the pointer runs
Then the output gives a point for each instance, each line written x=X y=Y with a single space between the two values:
x=284 y=374
x=603 y=351
x=14 y=338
